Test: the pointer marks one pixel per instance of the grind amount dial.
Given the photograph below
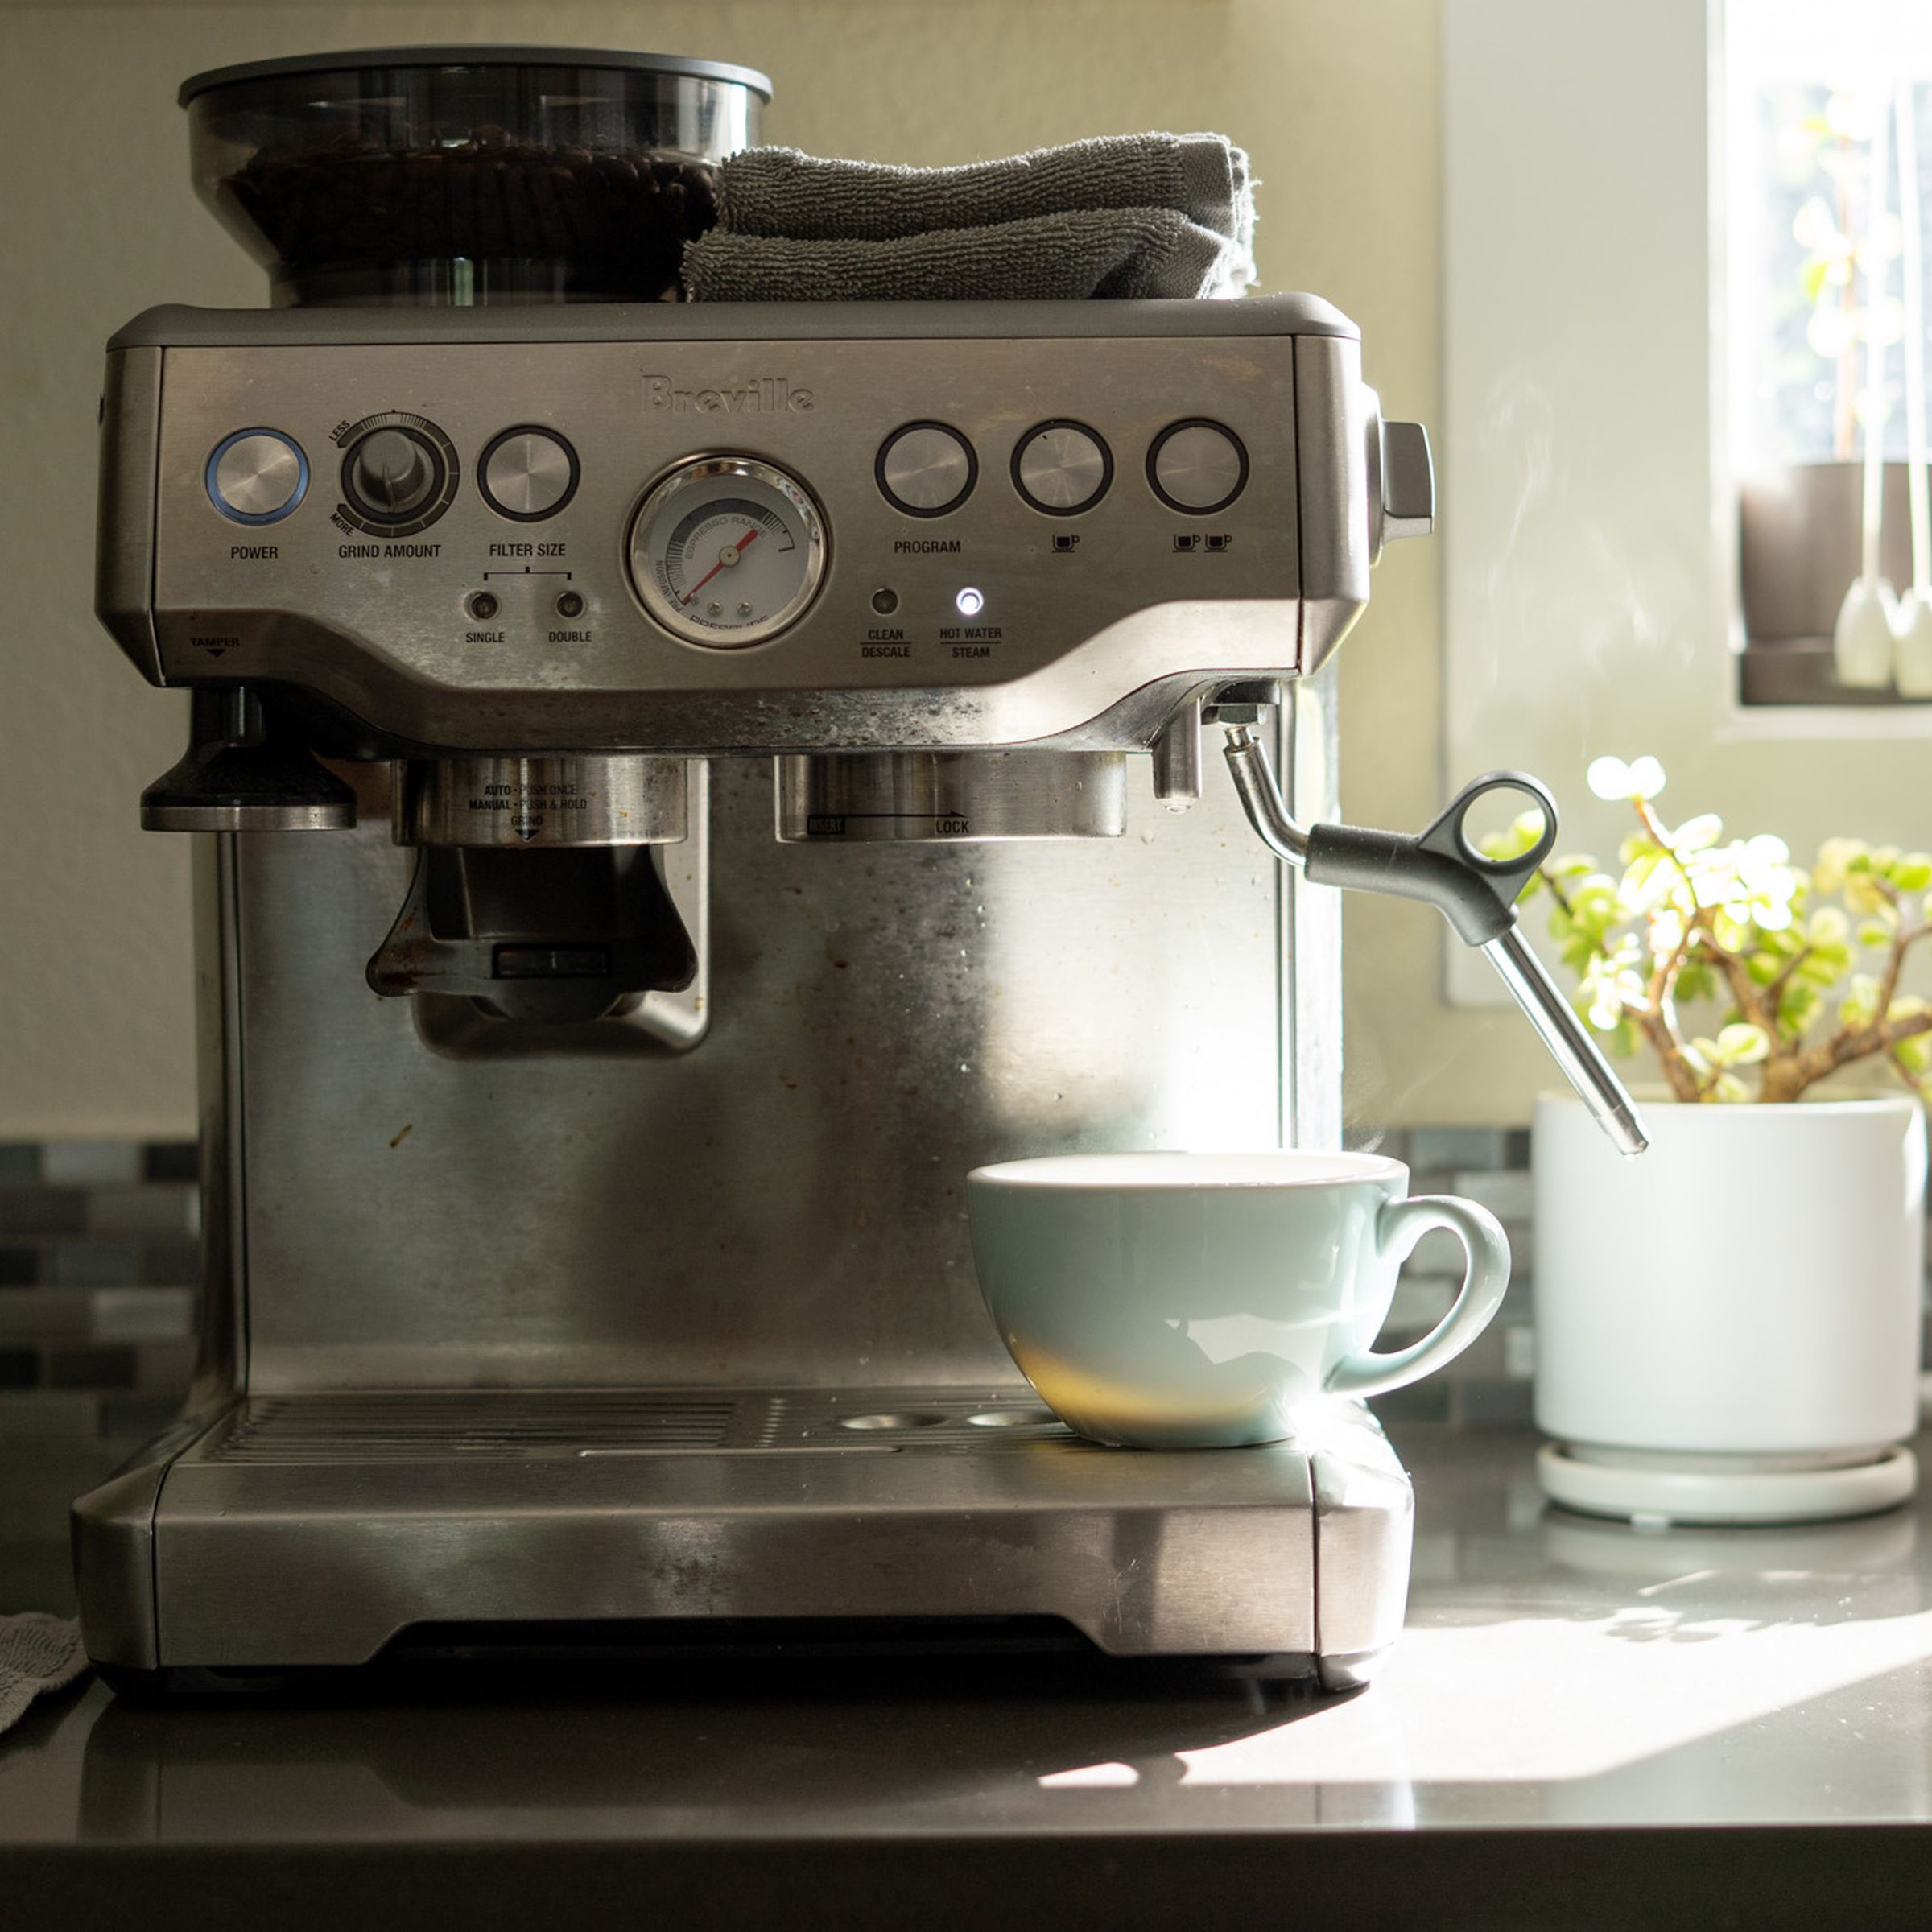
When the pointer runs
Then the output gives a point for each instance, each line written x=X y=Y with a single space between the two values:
x=727 y=551
x=398 y=473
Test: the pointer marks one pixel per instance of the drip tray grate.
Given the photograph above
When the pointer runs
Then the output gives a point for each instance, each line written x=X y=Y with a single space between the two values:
x=436 y=1426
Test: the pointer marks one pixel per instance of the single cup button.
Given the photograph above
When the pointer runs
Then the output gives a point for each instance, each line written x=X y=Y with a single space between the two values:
x=1197 y=467
x=927 y=469
x=1061 y=468
x=257 y=475
x=528 y=474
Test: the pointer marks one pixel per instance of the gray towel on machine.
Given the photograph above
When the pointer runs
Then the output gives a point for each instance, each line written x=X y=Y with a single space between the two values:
x=1127 y=215
x=38 y=1653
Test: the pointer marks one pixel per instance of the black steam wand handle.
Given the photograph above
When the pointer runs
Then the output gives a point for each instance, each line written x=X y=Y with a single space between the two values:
x=1441 y=866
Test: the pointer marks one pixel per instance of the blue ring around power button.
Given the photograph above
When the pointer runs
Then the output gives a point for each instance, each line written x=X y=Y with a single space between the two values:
x=269 y=516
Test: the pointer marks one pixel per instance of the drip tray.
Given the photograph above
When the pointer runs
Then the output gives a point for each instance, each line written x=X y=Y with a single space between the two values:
x=312 y=1529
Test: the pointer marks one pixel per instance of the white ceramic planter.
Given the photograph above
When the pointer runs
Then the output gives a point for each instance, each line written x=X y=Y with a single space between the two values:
x=1727 y=1328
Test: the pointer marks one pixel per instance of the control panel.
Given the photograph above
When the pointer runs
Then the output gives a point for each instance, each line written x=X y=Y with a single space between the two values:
x=653 y=539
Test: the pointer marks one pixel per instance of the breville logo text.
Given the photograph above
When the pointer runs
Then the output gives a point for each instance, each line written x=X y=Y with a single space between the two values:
x=761 y=396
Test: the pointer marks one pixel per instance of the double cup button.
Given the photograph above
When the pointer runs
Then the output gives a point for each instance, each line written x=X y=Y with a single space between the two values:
x=1197 y=466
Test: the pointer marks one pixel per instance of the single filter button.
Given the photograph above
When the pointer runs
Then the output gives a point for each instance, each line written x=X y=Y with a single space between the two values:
x=926 y=469
x=1197 y=467
x=1061 y=468
x=528 y=474
x=257 y=475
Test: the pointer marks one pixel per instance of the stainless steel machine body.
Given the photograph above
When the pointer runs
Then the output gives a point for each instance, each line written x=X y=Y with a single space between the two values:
x=592 y=1280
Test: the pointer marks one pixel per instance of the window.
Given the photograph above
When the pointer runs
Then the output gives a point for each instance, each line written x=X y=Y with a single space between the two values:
x=1589 y=509
x=1828 y=113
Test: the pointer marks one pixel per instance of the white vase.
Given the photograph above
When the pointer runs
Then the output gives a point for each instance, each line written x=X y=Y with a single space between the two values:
x=1727 y=1328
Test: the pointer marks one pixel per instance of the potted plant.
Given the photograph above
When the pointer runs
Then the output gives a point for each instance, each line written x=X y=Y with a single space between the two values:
x=1727 y=1329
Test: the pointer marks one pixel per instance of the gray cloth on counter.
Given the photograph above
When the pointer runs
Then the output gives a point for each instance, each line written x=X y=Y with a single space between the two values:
x=1126 y=215
x=1118 y=253
x=38 y=1653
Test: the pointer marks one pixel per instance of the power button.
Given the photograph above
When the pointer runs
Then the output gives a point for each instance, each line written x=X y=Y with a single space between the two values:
x=257 y=475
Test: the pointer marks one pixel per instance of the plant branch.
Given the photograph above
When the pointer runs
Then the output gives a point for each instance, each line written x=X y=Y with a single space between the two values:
x=1786 y=1078
x=1888 y=986
x=1774 y=993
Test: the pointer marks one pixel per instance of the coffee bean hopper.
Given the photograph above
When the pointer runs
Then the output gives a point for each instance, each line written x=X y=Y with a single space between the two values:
x=674 y=787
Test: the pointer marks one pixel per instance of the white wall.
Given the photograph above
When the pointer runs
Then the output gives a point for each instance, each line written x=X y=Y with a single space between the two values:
x=1338 y=104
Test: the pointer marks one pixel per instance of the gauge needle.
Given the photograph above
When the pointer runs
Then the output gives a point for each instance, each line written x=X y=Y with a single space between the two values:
x=729 y=555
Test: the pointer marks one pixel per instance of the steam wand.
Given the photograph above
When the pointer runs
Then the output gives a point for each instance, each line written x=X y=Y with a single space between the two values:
x=1477 y=896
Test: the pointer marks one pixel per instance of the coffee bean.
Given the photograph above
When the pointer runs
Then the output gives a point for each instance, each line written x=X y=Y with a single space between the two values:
x=616 y=223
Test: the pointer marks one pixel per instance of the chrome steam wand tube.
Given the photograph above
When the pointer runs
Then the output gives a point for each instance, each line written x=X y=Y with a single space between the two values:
x=1477 y=896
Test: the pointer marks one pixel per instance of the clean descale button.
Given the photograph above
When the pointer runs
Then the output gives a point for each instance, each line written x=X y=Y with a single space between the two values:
x=927 y=469
x=1061 y=468
x=257 y=475
x=528 y=474
x=1197 y=467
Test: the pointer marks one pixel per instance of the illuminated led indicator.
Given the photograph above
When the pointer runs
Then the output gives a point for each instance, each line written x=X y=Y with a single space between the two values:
x=970 y=603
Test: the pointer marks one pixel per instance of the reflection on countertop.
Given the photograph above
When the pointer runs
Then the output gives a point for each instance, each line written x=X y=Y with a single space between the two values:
x=1554 y=1671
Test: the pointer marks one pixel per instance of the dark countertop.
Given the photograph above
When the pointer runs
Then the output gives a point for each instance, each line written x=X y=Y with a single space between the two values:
x=1570 y=1697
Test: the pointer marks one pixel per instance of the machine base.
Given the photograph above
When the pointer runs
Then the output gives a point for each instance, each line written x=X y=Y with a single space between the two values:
x=303 y=1531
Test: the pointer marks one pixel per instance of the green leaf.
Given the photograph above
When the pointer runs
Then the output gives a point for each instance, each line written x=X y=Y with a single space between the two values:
x=1915 y=1052
x=1697 y=981
x=1860 y=1002
x=1797 y=1010
x=1874 y=932
x=1522 y=832
x=1912 y=872
x=1811 y=278
x=1742 y=1045
x=1825 y=965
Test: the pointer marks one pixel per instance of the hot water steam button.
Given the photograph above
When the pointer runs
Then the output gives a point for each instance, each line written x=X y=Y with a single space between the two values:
x=257 y=475
x=926 y=469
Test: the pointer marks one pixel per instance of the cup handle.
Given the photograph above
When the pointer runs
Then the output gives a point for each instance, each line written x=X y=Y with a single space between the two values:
x=1485 y=1275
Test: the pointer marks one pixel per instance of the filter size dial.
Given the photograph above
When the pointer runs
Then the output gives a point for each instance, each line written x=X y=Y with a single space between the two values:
x=727 y=551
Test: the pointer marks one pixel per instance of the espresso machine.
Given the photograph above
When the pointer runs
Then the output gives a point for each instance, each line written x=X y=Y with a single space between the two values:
x=677 y=786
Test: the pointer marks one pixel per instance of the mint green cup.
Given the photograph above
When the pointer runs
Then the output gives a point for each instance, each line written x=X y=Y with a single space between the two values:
x=1172 y=1300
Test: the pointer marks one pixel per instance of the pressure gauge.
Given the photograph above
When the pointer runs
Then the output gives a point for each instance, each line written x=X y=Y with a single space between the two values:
x=726 y=551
